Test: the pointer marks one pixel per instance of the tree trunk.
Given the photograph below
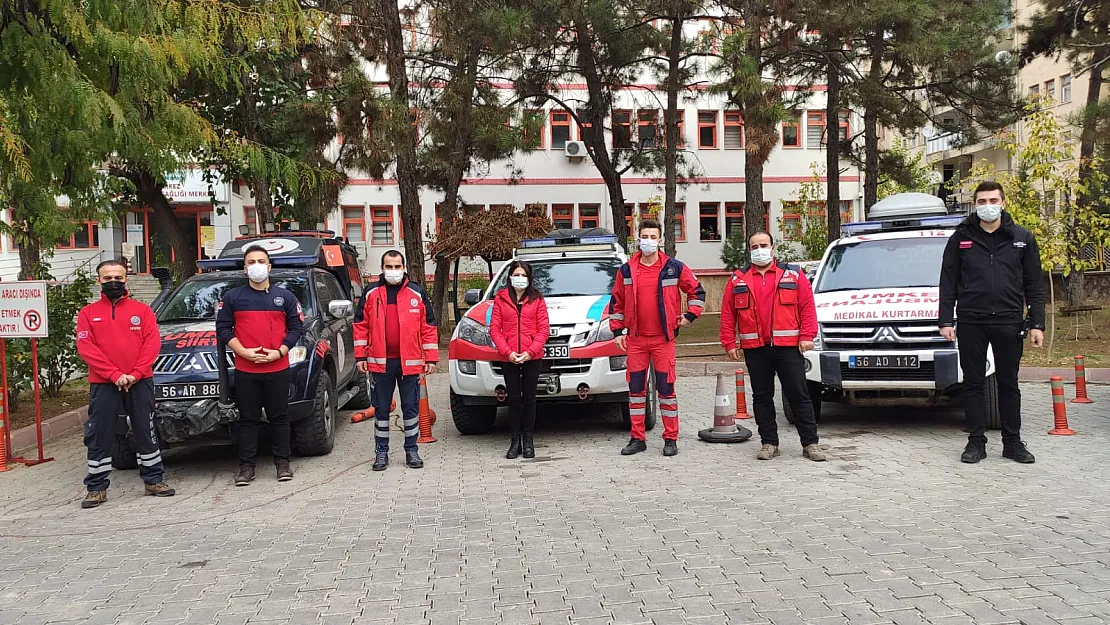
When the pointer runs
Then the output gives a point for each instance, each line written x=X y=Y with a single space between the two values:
x=832 y=163
x=165 y=223
x=263 y=202
x=871 y=125
x=405 y=144
x=32 y=265
x=754 y=212
x=670 y=121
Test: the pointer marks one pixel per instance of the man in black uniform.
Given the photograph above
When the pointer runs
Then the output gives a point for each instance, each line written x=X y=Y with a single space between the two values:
x=992 y=272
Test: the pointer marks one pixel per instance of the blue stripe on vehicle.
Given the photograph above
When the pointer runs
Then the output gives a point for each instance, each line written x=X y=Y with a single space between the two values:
x=489 y=316
x=594 y=314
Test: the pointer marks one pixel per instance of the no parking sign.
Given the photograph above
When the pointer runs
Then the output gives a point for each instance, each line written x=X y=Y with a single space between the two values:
x=23 y=310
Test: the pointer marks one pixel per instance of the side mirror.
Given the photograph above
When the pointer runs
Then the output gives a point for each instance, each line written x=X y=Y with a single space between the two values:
x=164 y=276
x=472 y=297
x=341 y=308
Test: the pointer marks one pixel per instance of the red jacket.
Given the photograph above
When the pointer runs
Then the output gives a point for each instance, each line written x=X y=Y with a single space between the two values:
x=419 y=337
x=118 y=339
x=675 y=278
x=521 y=328
x=791 y=317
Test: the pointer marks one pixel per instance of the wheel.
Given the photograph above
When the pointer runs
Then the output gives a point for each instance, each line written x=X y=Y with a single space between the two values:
x=814 y=398
x=472 y=419
x=315 y=435
x=123 y=455
x=990 y=394
x=362 y=400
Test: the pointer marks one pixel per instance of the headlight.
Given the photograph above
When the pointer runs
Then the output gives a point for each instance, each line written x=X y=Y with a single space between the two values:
x=298 y=354
x=468 y=367
x=473 y=332
x=817 y=342
x=601 y=332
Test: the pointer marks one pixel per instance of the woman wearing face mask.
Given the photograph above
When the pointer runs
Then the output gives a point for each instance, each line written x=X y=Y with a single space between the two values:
x=519 y=328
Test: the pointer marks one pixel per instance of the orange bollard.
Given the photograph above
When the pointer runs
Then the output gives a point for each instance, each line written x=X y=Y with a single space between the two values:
x=3 y=429
x=427 y=415
x=365 y=415
x=1081 y=382
x=741 y=402
x=1059 y=409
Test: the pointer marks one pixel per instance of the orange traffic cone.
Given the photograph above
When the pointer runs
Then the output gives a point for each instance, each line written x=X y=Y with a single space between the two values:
x=3 y=429
x=427 y=415
x=1059 y=409
x=365 y=415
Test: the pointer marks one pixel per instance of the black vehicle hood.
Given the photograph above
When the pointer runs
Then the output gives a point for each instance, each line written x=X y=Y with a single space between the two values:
x=188 y=335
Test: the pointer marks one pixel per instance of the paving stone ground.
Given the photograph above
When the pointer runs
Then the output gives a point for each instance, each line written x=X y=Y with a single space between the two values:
x=893 y=529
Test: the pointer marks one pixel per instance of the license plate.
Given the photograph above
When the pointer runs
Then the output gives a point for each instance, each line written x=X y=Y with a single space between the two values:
x=883 y=362
x=191 y=390
x=557 y=351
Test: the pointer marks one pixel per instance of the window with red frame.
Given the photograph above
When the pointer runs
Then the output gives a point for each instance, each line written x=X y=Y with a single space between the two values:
x=791 y=131
x=628 y=211
x=560 y=129
x=734 y=130
x=709 y=221
x=707 y=130
x=354 y=224
x=534 y=131
x=250 y=217
x=734 y=218
x=679 y=233
x=381 y=225
x=85 y=237
x=622 y=130
x=562 y=215
x=815 y=129
x=845 y=211
x=791 y=221
x=589 y=215
x=647 y=128
x=845 y=123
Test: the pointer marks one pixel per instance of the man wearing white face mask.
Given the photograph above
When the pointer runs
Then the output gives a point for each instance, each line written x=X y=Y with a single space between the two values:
x=992 y=273
x=260 y=323
x=396 y=340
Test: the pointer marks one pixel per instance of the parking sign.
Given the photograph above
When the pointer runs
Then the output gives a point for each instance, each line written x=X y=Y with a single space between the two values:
x=23 y=310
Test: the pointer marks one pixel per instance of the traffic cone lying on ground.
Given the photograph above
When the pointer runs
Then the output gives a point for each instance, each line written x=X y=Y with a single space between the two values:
x=724 y=428
x=369 y=413
x=427 y=415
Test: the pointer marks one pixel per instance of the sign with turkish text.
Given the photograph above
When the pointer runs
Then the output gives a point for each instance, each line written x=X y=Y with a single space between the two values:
x=23 y=310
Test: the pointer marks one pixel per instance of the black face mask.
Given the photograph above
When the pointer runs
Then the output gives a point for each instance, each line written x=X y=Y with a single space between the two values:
x=114 y=289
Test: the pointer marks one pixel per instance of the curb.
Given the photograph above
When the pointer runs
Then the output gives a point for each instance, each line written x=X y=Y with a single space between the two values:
x=1099 y=375
x=53 y=427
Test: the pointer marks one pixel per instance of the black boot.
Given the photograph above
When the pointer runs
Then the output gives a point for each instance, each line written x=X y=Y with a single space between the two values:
x=1017 y=452
x=974 y=452
x=381 y=461
x=634 y=446
x=529 y=446
x=413 y=461
x=514 y=448
x=670 y=448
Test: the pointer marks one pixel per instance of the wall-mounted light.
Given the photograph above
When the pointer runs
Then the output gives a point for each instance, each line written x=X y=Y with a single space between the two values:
x=244 y=229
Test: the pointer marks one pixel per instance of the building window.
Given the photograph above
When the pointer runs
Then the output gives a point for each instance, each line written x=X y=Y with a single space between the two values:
x=845 y=123
x=709 y=218
x=734 y=218
x=354 y=224
x=562 y=215
x=1034 y=91
x=707 y=130
x=560 y=129
x=845 y=211
x=85 y=237
x=791 y=226
x=250 y=218
x=381 y=225
x=647 y=128
x=679 y=221
x=622 y=130
x=734 y=131
x=815 y=129
x=1050 y=90
x=534 y=120
x=589 y=216
x=1065 y=88
x=791 y=131
x=628 y=210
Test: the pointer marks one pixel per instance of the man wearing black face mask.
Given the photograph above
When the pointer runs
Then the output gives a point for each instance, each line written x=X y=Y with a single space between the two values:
x=118 y=338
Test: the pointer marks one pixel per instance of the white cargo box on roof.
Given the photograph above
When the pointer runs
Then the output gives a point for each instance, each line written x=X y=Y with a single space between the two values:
x=903 y=205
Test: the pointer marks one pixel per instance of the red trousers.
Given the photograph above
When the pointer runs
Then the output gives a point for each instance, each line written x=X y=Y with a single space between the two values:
x=658 y=353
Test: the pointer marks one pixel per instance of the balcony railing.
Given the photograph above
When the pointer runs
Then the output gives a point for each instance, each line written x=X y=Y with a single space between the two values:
x=943 y=142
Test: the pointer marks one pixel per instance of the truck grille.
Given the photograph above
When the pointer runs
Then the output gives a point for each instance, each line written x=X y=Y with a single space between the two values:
x=926 y=373
x=897 y=335
x=189 y=362
x=558 y=365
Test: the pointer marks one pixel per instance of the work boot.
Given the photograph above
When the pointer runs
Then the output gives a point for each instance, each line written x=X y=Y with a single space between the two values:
x=529 y=446
x=161 y=489
x=634 y=446
x=94 y=498
x=766 y=452
x=381 y=461
x=514 y=448
x=1018 y=453
x=814 y=453
x=246 y=474
x=670 y=448
x=284 y=471
x=413 y=461
x=974 y=452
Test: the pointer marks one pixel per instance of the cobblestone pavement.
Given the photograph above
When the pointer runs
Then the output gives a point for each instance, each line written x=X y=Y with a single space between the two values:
x=893 y=529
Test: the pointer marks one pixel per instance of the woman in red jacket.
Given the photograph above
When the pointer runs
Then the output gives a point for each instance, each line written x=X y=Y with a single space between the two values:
x=519 y=328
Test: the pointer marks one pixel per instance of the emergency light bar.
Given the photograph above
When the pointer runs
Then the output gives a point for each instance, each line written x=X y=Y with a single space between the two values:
x=215 y=264
x=589 y=240
x=894 y=225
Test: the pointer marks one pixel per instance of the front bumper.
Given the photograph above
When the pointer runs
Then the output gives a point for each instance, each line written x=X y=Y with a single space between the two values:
x=183 y=421
x=939 y=370
x=605 y=384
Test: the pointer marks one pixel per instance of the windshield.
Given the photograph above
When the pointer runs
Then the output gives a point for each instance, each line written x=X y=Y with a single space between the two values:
x=890 y=263
x=563 y=278
x=196 y=300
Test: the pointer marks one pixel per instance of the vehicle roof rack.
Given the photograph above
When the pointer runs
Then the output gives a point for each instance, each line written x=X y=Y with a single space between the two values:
x=943 y=222
x=570 y=240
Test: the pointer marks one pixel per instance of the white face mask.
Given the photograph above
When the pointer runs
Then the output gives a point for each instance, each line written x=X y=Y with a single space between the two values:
x=394 y=276
x=650 y=246
x=761 y=256
x=988 y=212
x=519 y=282
x=258 y=272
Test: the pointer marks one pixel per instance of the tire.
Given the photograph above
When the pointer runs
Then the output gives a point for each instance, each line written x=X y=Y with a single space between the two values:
x=362 y=400
x=814 y=398
x=471 y=420
x=123 y=454
x=315 y=436
x=990 y=394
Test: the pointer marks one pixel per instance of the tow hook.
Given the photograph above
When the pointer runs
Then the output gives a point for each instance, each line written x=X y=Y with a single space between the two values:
x=583 y=391
x=502 y=394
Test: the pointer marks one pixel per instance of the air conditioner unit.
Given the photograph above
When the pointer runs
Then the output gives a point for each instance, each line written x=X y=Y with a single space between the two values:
x=575 y=149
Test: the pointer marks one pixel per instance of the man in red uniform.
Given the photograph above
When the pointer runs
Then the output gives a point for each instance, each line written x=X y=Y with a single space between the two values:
x=396 y=339
x=118 y=338
x=772 y=305
x=646 y=314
